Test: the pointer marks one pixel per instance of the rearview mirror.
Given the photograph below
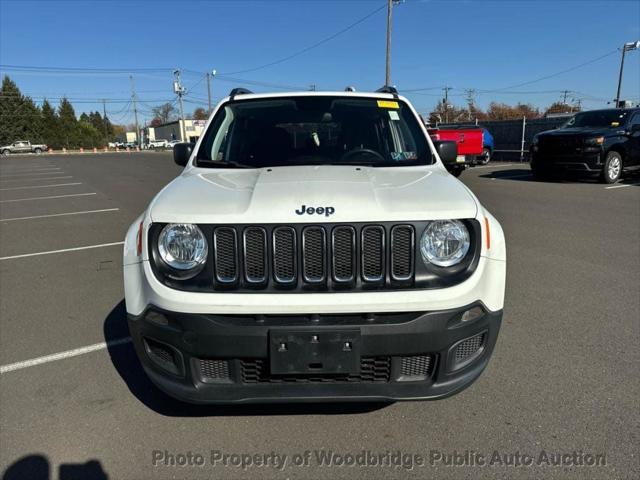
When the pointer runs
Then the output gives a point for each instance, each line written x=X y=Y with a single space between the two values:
x=447 y=151
x=182 y=153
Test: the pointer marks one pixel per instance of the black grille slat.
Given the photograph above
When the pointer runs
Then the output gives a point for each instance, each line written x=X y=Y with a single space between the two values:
x=373 y=253
x=343 y=254
x=225 y=240
x=402 y=252
x=255 y=255
x=313 y=254
x=284 y=255
x=372 y=370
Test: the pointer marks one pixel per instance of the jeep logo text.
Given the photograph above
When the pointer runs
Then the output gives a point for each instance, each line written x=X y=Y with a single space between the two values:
x=326 y=211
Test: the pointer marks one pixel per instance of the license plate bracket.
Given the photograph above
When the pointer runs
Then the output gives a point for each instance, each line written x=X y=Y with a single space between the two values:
x=308 y=352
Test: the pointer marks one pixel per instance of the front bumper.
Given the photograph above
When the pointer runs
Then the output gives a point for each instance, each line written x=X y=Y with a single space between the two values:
x=588 y=161
x=214 y=358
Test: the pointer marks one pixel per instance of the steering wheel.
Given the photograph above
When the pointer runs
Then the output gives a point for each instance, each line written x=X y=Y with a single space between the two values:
x=362 y=151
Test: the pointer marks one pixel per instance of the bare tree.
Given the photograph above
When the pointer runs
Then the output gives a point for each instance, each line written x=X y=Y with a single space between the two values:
x=165 y=112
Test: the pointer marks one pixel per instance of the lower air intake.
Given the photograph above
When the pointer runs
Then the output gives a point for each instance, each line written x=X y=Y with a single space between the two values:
x=469 y=348
x=212 y=371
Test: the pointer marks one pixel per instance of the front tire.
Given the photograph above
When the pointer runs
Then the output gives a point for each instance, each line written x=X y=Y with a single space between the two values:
x=5 y=152
x=612 y=168
x=37 y=151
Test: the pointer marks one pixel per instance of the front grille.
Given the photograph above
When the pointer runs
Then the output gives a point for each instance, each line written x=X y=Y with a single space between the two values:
x=314 y=257
x=469 y=347
x=417 y=367
x=559 y=144
x=372 y=370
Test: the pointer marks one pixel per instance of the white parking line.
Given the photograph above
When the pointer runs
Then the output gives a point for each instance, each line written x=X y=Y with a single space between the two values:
x=47 y=198
x=62 y=355
x=27 y=174
x=35 y=179
x=64 y=250
x=40 y=168
x=59 y=214
x=622 y=186
x=42 y=186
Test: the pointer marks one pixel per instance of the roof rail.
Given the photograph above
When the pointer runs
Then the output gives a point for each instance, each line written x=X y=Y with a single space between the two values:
x=388 y=89
x=239 y=91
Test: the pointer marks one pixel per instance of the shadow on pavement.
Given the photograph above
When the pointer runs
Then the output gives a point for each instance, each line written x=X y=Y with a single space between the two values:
x=36 y=467
x=126 y=363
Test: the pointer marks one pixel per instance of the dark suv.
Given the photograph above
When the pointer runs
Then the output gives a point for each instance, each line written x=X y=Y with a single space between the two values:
x=599 y=142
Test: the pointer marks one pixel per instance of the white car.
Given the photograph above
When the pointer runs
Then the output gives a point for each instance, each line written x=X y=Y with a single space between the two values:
x=314 y=248
x=158 y=143
x=172 y=143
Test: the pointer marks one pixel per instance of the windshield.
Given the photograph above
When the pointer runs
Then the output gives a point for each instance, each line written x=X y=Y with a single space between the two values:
x=598 y=118
x=314 y=131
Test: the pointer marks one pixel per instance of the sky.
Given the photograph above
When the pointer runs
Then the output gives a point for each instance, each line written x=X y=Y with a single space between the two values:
x=504 y=50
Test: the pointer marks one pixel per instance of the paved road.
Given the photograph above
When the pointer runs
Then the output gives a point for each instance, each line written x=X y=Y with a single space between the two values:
x=563 y=378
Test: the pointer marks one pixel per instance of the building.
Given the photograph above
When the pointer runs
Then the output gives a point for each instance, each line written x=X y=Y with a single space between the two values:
x=173 y=131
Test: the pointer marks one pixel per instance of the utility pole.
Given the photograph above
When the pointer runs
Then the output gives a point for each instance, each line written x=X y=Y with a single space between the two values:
x=209 y=77
x=389 y=10
x=564 y=96
x=104 y=121
x=627 y=47
x=446 y=103
x=135 y=109
x=179 y=90
x=471 y=100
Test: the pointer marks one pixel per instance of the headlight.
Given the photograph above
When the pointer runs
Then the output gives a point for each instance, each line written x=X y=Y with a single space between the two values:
x=183 y=247
x=595 y=141
x=444 y=242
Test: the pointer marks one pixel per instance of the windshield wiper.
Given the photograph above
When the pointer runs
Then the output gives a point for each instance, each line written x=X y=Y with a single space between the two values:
x=220 y=164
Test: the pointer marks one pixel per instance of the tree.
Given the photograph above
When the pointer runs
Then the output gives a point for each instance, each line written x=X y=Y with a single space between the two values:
x=50 y=128
x=155 y=122
x=446 y=113
x=200 y=114
x=165 y=112
x=20 y=117
x=68 y=124
x=502 y=111
x=561 y=107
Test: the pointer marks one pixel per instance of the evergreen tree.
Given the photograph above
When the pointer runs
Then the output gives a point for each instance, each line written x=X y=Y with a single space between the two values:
x=50 y=130
x=68 y=124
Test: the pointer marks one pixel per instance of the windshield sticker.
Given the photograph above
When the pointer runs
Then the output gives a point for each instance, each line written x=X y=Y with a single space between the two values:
x=387 y=104
x=400 y=156
x=393 y=115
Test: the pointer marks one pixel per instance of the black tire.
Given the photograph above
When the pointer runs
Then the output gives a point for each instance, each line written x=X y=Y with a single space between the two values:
x=37 y=151
x=612 y=170
x=485 y=157
x=456 y=172
x=6 y=152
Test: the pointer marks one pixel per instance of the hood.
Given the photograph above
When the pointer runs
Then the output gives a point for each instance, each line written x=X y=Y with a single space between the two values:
x=584 y=132
x=313 y=194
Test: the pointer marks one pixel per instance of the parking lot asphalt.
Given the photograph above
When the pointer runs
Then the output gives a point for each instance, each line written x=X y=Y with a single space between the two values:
x=563 y=377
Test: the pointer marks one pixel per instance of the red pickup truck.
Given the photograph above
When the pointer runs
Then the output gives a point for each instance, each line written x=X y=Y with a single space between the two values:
x=470 y=145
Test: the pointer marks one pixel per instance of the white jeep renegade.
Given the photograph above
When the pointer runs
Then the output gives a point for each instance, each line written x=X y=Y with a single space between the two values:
x=314 y=248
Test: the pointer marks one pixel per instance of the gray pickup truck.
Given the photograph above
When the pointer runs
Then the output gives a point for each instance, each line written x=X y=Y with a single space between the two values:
x=23 y=146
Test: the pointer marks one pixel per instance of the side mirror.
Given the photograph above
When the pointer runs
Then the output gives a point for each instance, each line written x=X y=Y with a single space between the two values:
x=447 y=151
x=182 y=152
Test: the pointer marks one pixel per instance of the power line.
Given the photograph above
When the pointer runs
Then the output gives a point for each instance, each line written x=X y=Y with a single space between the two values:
x=311 y=47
